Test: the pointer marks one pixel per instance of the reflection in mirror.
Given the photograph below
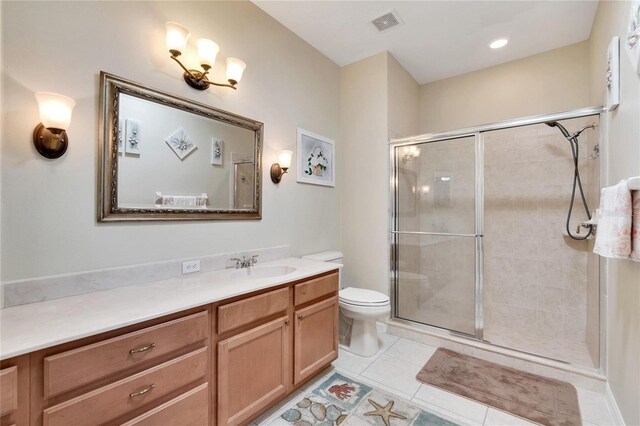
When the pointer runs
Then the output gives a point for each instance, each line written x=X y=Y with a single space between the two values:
x=169 y=158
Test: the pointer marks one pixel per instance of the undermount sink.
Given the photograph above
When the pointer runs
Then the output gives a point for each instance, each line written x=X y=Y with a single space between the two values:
x=265 y=271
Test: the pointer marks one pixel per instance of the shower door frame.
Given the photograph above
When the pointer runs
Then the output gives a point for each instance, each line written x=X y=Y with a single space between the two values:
x=477 y=133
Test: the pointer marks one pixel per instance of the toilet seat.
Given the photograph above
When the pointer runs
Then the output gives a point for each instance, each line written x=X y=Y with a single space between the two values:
x=363 y=297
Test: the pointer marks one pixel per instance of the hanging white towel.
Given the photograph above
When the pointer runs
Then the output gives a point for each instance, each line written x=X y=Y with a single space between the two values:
x=635 y=226
x=613 y=238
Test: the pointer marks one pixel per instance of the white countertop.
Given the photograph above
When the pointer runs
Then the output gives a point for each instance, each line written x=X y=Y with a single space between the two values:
x=28 y=328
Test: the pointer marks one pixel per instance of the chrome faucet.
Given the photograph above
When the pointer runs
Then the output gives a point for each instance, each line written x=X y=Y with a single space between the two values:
x=245 y=262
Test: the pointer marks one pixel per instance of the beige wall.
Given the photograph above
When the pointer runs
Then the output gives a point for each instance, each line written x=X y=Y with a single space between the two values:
x=403 y=94
x=48 y=207
x=378 y=99
x=557 y=80
x=363 y=133
x=622 y=161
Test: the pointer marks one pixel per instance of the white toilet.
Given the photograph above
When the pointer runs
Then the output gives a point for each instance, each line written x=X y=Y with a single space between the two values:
x=359 y=311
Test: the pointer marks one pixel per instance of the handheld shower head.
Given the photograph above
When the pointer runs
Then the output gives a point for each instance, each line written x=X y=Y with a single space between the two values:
x=559 y=126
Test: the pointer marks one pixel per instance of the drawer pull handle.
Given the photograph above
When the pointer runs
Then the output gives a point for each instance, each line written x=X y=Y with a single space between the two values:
x=142 y=392
x=299 y=317
x=142 y=349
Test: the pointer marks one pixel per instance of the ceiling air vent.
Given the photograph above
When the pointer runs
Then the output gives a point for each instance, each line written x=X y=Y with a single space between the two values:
x=387 y=21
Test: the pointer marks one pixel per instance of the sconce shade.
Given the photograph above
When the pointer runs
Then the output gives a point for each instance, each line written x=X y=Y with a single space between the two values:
x=235 y=68
x=177 y=37
x=49 y=136
x=55 y=110
x=280 y=168
x=207 y=52
x=284 y=159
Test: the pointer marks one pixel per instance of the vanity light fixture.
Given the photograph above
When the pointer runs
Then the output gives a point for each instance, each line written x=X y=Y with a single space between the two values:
x=410 y=153
x=280 y=168
x=177 y=37
x=50 y=136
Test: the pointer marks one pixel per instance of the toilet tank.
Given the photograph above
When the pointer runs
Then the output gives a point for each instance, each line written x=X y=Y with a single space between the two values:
x=327 y=256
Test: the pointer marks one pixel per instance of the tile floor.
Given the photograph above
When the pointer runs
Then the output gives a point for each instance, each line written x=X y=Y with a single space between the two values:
x=393 y=369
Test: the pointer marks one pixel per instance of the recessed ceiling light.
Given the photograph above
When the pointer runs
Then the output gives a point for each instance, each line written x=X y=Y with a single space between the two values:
x=498 y=43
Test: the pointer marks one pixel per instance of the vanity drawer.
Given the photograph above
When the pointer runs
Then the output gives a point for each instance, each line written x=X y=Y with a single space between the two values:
x=80 y=366
x=112 y=401
x=8 y=390
x=316 y=288
x=246 y=311
x=189 y=409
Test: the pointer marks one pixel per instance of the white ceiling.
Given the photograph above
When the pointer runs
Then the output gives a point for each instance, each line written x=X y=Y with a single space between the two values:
x=438 y=39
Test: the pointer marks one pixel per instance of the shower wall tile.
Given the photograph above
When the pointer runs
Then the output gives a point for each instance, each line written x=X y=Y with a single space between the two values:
x=535 y=275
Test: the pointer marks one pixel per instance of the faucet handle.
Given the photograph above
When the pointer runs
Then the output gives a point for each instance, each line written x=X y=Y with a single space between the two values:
x=254 y=259
x=237 y=260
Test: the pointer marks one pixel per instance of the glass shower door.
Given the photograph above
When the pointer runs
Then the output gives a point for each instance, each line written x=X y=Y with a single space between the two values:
x=435 y=234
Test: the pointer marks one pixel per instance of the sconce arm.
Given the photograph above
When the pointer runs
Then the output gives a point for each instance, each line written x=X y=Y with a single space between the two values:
x=221 y=84
x=183 y=67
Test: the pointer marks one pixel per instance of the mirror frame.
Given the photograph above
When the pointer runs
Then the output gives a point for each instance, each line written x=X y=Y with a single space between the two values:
x=111 y=87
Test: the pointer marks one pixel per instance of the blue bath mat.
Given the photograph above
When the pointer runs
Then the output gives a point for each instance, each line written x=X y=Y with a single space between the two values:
x=340 y=400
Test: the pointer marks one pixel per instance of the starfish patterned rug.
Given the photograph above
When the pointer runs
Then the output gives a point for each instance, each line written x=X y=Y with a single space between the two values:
x=340 y=400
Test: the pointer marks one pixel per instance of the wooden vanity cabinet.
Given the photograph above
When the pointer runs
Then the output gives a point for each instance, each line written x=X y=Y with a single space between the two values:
x=14 y=391
x=316 y=326
x=253 y=371
x=224 y=363
x=316 y=338
x=158 y=369
x=267 y=360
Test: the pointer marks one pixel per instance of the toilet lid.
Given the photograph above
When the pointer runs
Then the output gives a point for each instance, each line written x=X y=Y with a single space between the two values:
x=361 y=296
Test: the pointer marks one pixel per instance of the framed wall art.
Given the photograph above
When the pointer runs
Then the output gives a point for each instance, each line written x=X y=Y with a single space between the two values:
x=132 y=140
x=316 y=159
x=613 y=74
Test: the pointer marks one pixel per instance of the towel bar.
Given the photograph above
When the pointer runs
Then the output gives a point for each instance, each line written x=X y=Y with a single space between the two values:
x=634 y=183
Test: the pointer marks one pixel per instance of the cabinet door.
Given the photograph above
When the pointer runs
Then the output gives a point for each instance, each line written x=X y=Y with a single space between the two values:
x=316 y=338
x=253 y=371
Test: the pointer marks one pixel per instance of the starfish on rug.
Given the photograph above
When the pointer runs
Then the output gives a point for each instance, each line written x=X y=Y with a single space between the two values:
x=384 y=412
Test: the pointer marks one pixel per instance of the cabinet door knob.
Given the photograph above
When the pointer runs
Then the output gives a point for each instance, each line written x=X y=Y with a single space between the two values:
x=142 y=349
x=142 y=391
x=299 y=317
x=286 y=323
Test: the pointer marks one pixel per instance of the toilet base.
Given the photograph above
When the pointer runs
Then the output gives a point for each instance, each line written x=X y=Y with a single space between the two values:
x=364 y=338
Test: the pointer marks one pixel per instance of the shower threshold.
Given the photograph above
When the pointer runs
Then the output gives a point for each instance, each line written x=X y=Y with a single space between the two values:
x=506 y=355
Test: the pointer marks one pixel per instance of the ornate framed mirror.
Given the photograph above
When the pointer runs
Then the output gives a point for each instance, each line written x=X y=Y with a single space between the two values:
x=162 y=157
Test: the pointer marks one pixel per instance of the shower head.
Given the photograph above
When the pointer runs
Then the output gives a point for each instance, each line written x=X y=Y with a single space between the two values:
x=559 y=126
x=565 y=132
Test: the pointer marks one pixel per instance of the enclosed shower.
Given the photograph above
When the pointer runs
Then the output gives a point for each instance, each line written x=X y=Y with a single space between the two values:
x=481 y=244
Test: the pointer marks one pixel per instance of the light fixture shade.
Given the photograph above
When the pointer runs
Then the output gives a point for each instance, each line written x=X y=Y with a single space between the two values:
x=284 y=158
x=177 y=36
x=235 y=68
x=207 y=51
x=55 y=110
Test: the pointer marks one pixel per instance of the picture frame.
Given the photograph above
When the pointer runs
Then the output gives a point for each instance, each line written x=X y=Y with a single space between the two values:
x=632 y=41
x=132 y=143
x=181 y=143
x=217 y=145
x=612 y=75
x=121 y=133
x=315 y=159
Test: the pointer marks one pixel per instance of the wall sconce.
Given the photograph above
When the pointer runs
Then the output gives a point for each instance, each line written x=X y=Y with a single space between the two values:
x=410 y=153
x=50 y=136
x=280 y=168
x=177 y=37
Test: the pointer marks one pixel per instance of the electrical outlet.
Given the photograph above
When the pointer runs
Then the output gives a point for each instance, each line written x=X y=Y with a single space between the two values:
x=190 y=266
